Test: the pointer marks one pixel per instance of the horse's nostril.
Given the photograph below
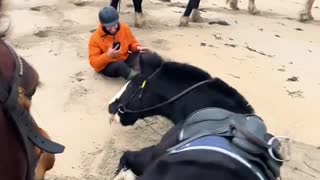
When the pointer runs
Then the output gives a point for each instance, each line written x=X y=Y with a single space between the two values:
x=112 y=108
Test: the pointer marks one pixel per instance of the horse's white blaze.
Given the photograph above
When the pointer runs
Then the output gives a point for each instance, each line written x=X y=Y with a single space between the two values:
x=119 y=93
x=114 y=118
x=125 y=175
x=117 y=118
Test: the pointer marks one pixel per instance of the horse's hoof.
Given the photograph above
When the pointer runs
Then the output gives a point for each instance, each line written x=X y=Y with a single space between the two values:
x=125 y=175
x=234 y=5
x=138 y=20
x=305 y=16
x=253 y=10
x=184 y=21
x=196 y=17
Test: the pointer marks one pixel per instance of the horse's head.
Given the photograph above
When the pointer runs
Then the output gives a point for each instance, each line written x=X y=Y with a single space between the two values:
x=173 y=90
x=137 y=94
x=18 y=84
x=28 y=142
x=28 y=82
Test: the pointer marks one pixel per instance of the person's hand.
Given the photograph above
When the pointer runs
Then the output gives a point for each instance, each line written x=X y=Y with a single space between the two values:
x=113 y=52
x=142 y=49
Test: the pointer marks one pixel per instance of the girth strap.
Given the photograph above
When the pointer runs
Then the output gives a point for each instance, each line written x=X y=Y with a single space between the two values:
x=217 y=144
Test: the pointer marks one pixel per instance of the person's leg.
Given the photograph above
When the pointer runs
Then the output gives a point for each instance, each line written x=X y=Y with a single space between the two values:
x=133 y=61
x=117 y=69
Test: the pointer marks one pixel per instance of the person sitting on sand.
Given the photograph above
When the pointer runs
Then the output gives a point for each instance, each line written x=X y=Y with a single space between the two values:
x=113 y=50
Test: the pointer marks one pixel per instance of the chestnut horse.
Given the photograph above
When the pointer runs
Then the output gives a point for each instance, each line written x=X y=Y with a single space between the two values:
x=26 y=152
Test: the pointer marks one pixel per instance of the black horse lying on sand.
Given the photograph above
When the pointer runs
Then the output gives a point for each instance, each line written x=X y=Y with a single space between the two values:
x=216 y=133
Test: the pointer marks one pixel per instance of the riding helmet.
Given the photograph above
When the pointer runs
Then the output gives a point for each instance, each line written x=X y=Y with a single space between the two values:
x=108 y=16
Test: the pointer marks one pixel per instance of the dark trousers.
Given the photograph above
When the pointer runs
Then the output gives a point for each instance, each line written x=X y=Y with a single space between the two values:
x=122 y=69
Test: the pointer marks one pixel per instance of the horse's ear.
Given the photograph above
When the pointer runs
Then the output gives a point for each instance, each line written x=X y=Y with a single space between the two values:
x=150 y=62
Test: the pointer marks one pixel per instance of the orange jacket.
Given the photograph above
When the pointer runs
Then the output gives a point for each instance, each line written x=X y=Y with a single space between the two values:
x=100 y=42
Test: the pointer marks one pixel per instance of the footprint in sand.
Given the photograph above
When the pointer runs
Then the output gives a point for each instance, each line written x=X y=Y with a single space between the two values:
x=68 y=23
x=43 y=8
x=78 y=91
x=77 y=96
x=82 y=3
x=64 y=29
x=295 y=94
x=293 y=79
x=178 y=4
x=161 y=44
x=78 y=76
x=102 y=162
x=42 y=33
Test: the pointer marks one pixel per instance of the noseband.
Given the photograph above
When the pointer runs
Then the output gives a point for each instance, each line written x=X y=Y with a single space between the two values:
x=122 y=109
x=22 y=119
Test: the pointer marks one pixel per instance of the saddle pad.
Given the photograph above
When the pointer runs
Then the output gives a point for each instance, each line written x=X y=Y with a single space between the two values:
x=216 y=144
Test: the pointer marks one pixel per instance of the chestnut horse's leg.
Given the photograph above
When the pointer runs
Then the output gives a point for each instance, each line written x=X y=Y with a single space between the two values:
x=46 y=160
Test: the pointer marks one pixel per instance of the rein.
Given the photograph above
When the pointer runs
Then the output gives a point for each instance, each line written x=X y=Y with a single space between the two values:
x=122 y=109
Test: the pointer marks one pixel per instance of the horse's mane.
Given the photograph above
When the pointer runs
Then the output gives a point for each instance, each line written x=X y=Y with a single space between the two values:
x=186 y=75
x=184 y=72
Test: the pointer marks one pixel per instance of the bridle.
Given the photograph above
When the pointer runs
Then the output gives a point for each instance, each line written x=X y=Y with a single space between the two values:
x=122 y=107
x=22 y=119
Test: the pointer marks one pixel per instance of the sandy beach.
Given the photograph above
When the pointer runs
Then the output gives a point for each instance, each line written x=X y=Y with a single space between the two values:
x=271 y=59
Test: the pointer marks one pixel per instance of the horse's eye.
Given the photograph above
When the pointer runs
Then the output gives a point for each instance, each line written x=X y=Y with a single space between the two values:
x=30 y=93
x=130 y=85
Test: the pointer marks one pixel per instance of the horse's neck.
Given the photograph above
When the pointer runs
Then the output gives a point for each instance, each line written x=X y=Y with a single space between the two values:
x=13 y=160
x=183 y=107
x=198 y=99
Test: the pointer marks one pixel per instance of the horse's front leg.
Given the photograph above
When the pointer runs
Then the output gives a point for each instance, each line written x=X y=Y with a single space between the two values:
x=305 y=14
x=233 y=4
x=252 y=8
x=195 y=16
x=193 y=6
x=114 y=3
x=137 y=161
x=138 y=16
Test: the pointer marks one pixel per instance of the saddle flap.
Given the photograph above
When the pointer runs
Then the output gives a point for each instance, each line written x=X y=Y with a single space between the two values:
x=207 y=120
x=250 y=134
